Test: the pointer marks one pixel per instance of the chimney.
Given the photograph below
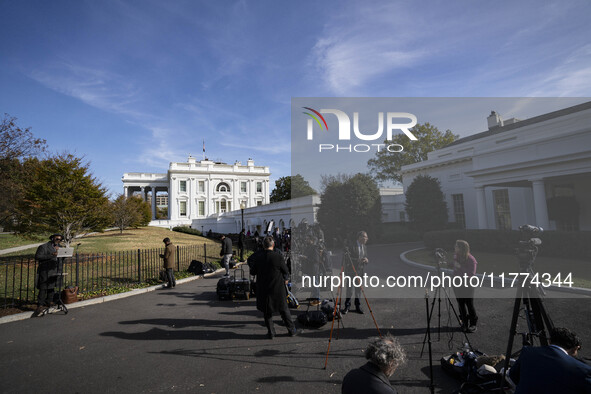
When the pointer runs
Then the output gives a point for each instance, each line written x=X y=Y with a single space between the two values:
x=494 y=120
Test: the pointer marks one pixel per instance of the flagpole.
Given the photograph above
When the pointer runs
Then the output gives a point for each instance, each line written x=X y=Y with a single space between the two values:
x=204 y=149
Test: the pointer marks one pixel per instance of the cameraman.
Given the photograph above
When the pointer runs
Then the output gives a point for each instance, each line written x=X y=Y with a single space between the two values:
x=47 y=278
x=553 y=368
x=465 y=264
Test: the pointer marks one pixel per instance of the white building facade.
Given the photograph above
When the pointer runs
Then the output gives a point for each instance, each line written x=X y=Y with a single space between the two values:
x=511 y=174
x=200 y=189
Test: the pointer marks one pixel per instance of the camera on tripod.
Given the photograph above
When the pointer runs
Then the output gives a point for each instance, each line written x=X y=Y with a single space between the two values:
x=528 y=246
x=440 y=259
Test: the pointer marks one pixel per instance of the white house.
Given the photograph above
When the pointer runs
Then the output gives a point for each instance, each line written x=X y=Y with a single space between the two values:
x=200 y=189
x=504 y=177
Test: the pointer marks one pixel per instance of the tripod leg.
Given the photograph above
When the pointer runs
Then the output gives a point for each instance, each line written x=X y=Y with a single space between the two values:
x=367 y=302
x=429 y=315
x=428 y=333
x=336 y=305
x=512 y=332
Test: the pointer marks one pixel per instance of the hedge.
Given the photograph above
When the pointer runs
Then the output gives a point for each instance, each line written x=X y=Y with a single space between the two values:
x=575 y=245
x=186 y=230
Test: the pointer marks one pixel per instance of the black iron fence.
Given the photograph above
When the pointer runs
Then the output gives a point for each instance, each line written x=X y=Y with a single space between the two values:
x=94 y=272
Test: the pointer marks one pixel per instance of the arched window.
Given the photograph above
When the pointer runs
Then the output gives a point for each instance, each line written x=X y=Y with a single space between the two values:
x=223 y=187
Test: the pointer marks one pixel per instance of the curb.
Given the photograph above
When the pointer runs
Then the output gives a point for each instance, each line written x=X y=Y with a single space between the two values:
x=100 y=300
x=496 y=279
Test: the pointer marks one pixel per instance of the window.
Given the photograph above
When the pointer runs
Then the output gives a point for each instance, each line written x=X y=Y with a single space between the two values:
x=502 y=209
x=242 y=187
x=223 y=187
x=459 y=213
x=259 y=203
x=222 y=206
x=201 y=186
x=201 y=205
x=183 y=208
x=183 y=186
x=259 y=187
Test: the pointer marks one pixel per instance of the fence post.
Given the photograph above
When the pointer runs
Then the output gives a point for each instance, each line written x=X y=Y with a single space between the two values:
x=77 y=269
x=139 y=266
x=178 y=259
x=205 y=251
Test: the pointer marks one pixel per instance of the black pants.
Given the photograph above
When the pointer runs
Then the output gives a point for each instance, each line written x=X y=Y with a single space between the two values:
x=170 y=276
x=351 y=288
x=241 y=249
x=45 y=296
x=467 y=311
x=285 y=316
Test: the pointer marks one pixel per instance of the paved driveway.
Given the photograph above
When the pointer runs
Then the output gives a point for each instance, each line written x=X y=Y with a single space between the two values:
x=184 y=339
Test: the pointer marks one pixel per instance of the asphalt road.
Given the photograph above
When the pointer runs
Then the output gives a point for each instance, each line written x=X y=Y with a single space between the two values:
x=184 y=339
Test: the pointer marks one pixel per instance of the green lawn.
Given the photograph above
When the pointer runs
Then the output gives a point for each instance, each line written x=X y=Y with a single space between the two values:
x=499 y=263
x=11 y=240
x=115 y=241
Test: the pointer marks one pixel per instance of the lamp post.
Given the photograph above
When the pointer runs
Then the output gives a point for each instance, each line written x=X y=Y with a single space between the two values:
x=242 y=206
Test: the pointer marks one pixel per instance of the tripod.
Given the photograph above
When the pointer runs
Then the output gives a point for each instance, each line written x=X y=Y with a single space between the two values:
x=337 y=305
x=539 y=323
x=440 y=258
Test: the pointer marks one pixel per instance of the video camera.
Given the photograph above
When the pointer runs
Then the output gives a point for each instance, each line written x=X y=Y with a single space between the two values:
x=440 y=259
x=528 y=246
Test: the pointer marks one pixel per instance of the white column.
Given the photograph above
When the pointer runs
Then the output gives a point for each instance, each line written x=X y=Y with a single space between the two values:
x=481 y=207
x=153 y=202
x=143 y=189
x=172 y=200
x=540 y=206
x=125 y=191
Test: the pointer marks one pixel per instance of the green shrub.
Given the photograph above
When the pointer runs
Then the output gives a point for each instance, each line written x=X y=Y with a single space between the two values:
x=394 y=232
x=186 y=230
x=575 y=245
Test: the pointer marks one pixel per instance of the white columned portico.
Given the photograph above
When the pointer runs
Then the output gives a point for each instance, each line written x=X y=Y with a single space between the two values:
x=481 y=207
x=540 y=207
x=153 y=202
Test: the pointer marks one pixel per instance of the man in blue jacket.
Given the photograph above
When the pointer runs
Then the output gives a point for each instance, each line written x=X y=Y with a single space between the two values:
x=553 y=368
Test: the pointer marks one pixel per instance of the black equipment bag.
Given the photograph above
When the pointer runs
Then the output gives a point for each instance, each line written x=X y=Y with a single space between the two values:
x=163 y=276
x=312 y=319
x=208 y=268
x=292 y=301
x=327 y=307
x=196 y=267
x=240 y=286
x=224 y=288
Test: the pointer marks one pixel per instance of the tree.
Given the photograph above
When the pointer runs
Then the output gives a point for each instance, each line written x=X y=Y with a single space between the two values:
x=386 y=165
x=143 y=209
x=16 y=144
x=62 y=196
x=124 y=214
x=289 y=187
x=425 y=204
x=349 y=204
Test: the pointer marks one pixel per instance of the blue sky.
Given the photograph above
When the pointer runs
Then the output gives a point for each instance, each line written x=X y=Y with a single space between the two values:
x=133 y=85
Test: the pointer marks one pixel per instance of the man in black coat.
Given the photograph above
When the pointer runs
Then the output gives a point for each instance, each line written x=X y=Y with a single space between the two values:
x=356 y=267
x=226 y=253
x=48 y=271
x=271 y=273
x=553 y=368
x=241 y=240
x=384 y=356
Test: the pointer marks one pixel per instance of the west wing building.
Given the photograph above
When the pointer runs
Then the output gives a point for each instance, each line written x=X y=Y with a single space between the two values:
x=535 y=171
